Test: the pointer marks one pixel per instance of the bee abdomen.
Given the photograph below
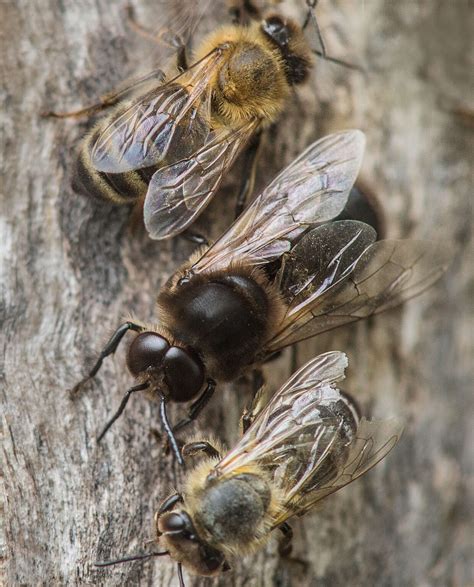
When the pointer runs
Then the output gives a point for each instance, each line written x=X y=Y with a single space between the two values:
x=119 y=188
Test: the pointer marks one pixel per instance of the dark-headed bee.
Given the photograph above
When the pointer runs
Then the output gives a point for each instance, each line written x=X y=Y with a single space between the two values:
x=280 y=274
x=170 y=139
x=306 y=443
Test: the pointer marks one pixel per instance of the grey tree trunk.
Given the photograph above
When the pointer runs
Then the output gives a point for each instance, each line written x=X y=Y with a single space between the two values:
x=72 y=269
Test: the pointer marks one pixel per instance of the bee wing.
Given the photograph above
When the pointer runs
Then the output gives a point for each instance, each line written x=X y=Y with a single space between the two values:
x=309 y=439
x=171 y=114
x=179 y=18
x=386 y=274
x=312 y=189
x=374 y=439
x=289 y=419
x=179 y=192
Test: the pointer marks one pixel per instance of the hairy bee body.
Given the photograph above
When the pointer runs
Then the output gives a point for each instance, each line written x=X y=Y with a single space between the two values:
x=225 y=316
x=251 y=82
x=130 y=186
x=281 y=274
x=233 y=514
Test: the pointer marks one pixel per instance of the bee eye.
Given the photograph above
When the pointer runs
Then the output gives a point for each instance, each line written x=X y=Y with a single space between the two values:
x=275 y=23
x=173 y=522
x=184 y=374
x=276 y=29
x=147 y=350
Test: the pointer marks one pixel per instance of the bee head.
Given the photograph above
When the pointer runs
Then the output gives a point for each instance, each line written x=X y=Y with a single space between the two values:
x=288 y=37
x=177 y=534
x=179 y=370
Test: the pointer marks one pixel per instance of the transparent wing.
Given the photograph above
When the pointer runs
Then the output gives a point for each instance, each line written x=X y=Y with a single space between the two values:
x=373 y=440
x=288 y=422
x=166 y=123
x=312 y=189
x=386 y=274
x=322 y=259
x=179 y=18
x=309 y=438
x=179 y=192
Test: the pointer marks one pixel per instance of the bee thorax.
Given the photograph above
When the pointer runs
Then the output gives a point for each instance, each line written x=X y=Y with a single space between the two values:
x=232 y=511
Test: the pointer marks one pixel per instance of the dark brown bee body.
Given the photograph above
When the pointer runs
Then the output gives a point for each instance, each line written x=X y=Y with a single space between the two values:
x=178 y=371
x=282 y=273
x=224 y=317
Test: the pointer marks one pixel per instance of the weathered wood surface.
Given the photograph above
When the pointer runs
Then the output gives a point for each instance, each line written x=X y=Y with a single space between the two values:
x=71 y=270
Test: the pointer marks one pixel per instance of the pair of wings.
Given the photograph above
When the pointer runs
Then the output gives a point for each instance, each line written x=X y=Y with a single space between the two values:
x=336 y=273
x=167 y=132
x=301 y=435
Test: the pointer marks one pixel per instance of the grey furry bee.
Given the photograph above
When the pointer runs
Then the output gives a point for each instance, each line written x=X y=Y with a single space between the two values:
x=305 y=444
x=280 y=274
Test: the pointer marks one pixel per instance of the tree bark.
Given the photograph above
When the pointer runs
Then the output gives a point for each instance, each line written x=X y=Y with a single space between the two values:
x=71 y=269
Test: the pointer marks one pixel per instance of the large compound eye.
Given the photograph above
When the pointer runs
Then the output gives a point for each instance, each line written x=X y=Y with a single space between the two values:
x=147 y=350
x=184 y=374
x=172 y=522
x=276 y=29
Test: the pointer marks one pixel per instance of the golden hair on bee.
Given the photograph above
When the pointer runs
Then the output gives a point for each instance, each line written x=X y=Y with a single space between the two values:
x=255 y=79
x=252 y=82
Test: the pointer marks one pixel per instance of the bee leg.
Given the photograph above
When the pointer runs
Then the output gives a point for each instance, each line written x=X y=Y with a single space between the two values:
x=181 y=57
x=172 y=441
x=107 y=100
x=191 y=449
x=294 y=358
x=121 y=408
x=285 y=544
x=169 y=503
x=311 y=17
x=273 y=357
x=249 y=170
x=259 y=400
x=164 y=37
x=194 y=237
x=197 y=407
x=246 y=420
x=109 y=349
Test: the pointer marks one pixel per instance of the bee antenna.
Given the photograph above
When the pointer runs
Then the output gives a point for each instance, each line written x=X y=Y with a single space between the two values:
x=180 y=575
x=339 y=61
x=126 y=559
x=311 y=17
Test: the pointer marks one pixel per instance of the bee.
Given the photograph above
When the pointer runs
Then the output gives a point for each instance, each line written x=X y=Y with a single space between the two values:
x=282 y=273
x=170 y=139
x=306 y=443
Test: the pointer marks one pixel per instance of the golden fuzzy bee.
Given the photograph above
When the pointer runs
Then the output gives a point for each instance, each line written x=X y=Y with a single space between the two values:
x=170 y=139
x=280 y=274
x=306 y=443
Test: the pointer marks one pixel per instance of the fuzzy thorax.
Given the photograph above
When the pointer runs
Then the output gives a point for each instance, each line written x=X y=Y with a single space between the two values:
x=250 y=82
x=235 y=533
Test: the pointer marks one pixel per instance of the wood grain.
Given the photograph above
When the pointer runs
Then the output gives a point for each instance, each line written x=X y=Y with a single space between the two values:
x=71 y=269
